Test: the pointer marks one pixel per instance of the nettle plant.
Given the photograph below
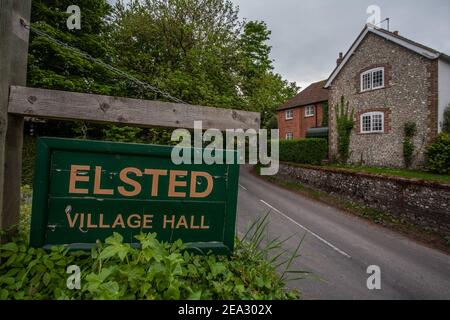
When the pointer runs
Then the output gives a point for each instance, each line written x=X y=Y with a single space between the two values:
x=344 y=124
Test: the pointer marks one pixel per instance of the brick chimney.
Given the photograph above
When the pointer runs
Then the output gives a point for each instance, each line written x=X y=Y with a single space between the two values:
x=341 y=57
x=396 y=33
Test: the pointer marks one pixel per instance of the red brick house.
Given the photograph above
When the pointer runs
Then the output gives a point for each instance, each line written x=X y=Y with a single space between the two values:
x=303 y=112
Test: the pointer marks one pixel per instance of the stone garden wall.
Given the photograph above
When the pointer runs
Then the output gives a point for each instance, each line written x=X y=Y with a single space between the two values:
x=427 y=204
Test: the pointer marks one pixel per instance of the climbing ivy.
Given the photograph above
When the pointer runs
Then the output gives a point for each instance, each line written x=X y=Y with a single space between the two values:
x=325 y=114
x=410 y=129
x=345 y=124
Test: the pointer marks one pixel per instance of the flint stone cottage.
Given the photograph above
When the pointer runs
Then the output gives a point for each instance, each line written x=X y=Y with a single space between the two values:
x=303 y=112
x=389 y=80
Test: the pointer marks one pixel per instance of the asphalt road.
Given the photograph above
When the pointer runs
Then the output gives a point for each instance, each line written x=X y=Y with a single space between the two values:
x=339 y=247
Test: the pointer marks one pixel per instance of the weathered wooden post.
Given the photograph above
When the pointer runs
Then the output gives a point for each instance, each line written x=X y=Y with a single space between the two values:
x=13 y=70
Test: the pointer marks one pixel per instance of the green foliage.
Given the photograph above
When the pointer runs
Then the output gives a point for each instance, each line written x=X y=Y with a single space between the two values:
x=54 y=67
x=345 y=124
x=200 y=52
x=28 y=156
x=325 y=114
x=438 y=154
x=122 y=134
x=187 y=48
x=262 y=90
x=304 y=151
x=272 y=123
x=114 y=270
x=26 y=195
x=446 y=122
x=410 y=129
x=196 y=50
x=408 y=151
x=393 y=172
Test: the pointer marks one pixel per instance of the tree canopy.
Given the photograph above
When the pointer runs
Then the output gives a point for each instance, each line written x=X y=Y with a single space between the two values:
x=199 y=51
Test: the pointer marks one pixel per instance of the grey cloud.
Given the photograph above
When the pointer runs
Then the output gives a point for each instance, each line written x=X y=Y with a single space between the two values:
x=307 y=35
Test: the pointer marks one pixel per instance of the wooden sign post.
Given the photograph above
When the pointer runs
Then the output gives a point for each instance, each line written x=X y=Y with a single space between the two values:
x=13 y=71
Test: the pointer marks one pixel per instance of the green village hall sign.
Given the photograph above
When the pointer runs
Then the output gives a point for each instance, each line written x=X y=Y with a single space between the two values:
x=86 y=190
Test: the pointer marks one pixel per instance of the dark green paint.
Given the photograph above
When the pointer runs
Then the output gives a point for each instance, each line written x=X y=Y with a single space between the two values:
x=51 y=196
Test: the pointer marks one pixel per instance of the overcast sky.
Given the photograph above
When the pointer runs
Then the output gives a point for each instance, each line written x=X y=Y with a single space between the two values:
x=307 y=35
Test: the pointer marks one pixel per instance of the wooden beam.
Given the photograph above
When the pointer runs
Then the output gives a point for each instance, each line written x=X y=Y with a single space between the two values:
x=13 y=71
x=63 y=105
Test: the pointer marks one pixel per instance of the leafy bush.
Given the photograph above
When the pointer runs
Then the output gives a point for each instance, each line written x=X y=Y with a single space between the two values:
x=410 y=129
x=122 y=133
x=438 y=154
x=344 y=124
x=305 y=151
x=326 y=111
x=408 y=151
x=115 y=270
x=446 y=122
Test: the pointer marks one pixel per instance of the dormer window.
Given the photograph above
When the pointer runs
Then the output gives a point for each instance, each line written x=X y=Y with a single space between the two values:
x=372 y=79
x=289 y=114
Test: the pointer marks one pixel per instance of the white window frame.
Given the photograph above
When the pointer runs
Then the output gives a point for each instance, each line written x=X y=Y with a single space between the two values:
x=371 y=72
x=371 y=115
x=289 y=114
x=289 y=136
x=308 y=113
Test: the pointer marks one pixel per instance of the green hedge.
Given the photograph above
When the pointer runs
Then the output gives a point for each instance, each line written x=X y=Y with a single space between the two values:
x=438 y=154
x=305 y=151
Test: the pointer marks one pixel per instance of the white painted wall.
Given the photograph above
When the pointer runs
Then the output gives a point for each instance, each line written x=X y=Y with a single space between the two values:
x=444 y=89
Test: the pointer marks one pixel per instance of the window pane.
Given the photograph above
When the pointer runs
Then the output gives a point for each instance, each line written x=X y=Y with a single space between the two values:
x=367 y=81
x=366 y=124
x=377 y=122
x=378 y=79
x=289 y=114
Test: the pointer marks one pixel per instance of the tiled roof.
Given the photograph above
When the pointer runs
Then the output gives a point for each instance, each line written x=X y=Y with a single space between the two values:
x=315 y=93
x=441 y=54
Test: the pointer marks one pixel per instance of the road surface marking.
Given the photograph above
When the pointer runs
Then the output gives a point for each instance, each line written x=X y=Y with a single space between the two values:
x=240 y=185
x=306 y=229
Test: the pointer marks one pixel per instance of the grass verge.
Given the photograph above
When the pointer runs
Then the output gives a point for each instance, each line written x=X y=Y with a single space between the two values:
x=391 y=172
